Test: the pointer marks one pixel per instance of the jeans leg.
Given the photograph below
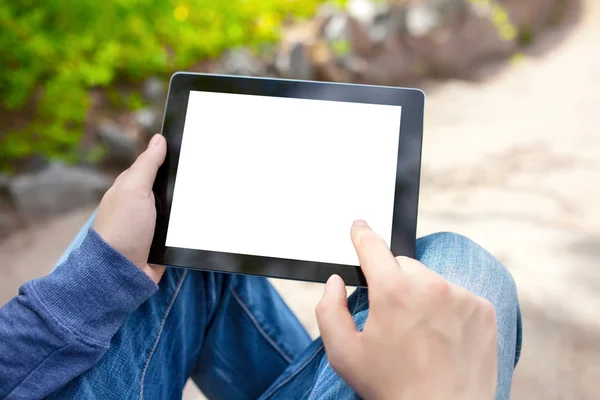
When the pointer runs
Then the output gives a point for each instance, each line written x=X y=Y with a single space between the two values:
x=460 y=261
x=233 y=334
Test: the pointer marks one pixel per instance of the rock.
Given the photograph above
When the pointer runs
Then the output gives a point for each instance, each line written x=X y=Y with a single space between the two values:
x=154 y=90
x=148 y=119
x=241 y=62
x=388 y=24
x=532 y=16
x=6 y=226
x=9 y=220
x=421 y=19
x=364 y=11
x=341 y=49
x=346 y=37
x=56 y=189
x=401 y=42
x=36 y=163
x=295 y=63
x=337 y=28
x=122 y=146
x=395 y=64
x=376 y=18
x=451 y=9
x=455 y=48
x=382 y=24
x=5 y=181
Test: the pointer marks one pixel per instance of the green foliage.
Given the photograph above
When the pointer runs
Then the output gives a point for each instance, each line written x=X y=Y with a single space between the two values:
x=95 y=154
x=53 y=51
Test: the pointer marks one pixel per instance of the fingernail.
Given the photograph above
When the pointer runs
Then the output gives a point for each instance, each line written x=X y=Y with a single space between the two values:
x=360 y=222
x=330 y=285
x=155 y=140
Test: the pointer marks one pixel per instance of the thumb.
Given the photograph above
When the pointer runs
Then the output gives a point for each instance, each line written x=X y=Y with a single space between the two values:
x=338 y=331
x=144 y=169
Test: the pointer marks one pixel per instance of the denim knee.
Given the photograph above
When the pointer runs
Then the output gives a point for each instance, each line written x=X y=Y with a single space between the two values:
x=465 y=263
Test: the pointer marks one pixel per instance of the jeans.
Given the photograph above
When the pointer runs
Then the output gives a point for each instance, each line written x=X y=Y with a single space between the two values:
x=237 y=339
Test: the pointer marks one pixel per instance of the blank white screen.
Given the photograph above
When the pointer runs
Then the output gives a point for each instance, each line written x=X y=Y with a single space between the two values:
x=282 y=177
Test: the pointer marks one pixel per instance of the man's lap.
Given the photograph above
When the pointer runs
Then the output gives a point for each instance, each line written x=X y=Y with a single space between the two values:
x=236 y=338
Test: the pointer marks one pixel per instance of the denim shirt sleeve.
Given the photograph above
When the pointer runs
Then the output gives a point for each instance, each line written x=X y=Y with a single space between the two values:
x=59 y=326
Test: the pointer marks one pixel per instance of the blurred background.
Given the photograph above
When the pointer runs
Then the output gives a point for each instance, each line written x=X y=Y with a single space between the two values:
x=511 y=147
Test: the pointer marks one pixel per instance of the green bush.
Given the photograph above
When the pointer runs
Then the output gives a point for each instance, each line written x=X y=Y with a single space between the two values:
x=53 y=51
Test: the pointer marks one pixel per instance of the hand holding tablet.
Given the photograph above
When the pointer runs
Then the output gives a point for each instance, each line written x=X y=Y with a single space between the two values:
x=265 y=176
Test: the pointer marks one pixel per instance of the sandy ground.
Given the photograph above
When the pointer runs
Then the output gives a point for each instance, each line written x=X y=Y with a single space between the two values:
x=513 y=163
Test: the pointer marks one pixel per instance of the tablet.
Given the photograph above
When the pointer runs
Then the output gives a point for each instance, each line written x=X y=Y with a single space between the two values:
x=265 y=176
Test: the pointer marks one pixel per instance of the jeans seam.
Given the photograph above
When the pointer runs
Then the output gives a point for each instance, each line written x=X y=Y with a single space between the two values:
x=259 y=328
x=300 y=368
x=160 y=331
x=314 y=390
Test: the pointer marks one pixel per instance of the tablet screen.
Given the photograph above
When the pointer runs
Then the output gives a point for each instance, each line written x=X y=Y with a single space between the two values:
x=283 y=177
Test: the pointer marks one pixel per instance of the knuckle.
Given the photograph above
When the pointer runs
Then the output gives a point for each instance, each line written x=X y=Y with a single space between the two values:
x=390 y=291
x=129 y=186
x=403 y=260
x=488 y=312
x=390 y=288
x=438 y=288
x=322 y=308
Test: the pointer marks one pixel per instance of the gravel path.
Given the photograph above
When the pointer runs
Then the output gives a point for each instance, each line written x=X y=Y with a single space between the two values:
x=512 y=163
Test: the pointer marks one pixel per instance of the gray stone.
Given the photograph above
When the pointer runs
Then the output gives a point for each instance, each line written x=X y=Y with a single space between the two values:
x=342 y=31
x=385 y=23
x=241 y=62
x=459 y=46
x=36 y=163
x=364 y=11
x=338 y=34
x=148 y=119
x=295 y=63
x=56 y=189
x=122 y=147
x=5 y=181
x=337 y=28
x=421 y=19
x=154 y=90
x=450 y=9
x=9 y=223
x=375 y=17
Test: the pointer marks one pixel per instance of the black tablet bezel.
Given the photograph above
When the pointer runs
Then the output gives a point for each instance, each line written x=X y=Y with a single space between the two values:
x=404 y=224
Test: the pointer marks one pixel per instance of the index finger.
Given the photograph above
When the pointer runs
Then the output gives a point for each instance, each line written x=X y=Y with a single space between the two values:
x=376 y=260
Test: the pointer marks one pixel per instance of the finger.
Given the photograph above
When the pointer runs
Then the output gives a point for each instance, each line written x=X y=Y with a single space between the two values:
x=412 y=267
x=338 y=331
x=426 y=288
x=376 y=259
x=143 y=171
